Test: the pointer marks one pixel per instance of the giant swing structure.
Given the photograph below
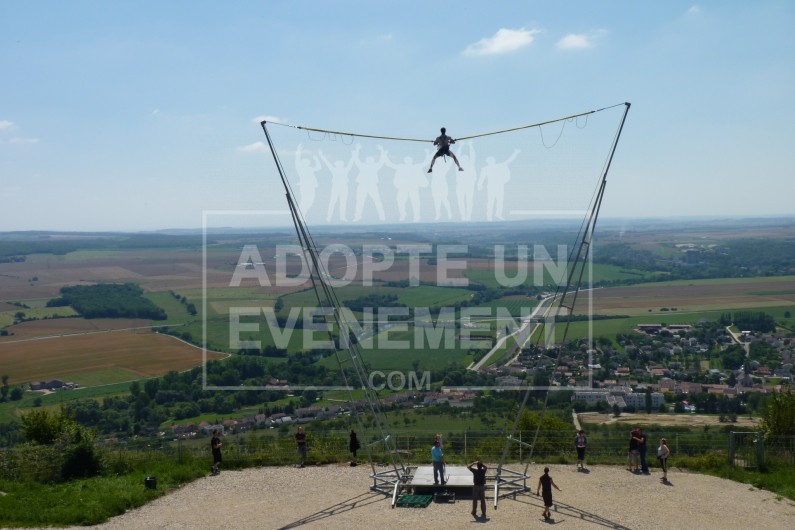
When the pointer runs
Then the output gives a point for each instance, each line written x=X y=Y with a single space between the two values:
x=396 y=476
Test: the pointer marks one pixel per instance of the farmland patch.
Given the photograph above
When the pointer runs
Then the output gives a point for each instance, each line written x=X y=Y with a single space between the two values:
x=683 y=420
x=694 y=295
x=140 y=352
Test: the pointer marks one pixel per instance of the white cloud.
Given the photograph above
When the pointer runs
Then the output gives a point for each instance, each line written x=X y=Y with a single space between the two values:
x=256 y=147
x=271 y=119
x=504 y=41
x=23 y=141
x=580 y=41
x=575 y=41
x=6 y=125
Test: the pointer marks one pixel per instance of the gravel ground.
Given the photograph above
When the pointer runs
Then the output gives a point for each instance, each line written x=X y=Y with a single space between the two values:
x=338 y=497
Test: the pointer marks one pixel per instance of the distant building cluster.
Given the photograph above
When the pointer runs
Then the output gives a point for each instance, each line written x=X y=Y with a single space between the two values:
x=51 y=384
x=660 y=358
x=313 y=413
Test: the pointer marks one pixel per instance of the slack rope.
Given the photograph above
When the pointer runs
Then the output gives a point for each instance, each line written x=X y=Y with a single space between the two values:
x=402 y=139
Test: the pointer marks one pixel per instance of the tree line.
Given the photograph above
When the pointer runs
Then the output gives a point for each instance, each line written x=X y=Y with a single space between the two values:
x=108 y=300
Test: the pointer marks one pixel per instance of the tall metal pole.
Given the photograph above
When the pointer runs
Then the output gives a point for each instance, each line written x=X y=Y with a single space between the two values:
x=581 y=258
x=327 y=298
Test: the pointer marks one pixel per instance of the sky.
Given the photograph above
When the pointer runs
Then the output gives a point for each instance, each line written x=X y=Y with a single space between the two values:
x=143 y=115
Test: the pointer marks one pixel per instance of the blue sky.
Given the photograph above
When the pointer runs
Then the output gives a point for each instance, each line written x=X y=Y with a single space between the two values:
x=143 y=115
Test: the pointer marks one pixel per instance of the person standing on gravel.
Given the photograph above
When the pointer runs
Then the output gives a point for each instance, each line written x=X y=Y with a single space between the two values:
x=546 y=483
x=478 y=470
x=632 y=455
x=643 y=447
x=580 y=441
x=662 y=454
x=215 y=445
x=300 y=441
x=353 y=445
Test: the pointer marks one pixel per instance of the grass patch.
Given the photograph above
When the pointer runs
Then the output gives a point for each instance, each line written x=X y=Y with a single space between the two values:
x=10 y=410
x=776 y=479
x=613 y=326
x=601 y=273
x=104 y=377
x=89 y=501
x=7 y=317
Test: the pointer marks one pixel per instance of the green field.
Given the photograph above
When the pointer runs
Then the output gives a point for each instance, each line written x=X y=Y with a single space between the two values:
x=420 y=296
x=10 y=410
x=103 y=377
x=7 y=317
x=611 y=327
x=401 y=358
x=88 y=255
x=514 y=307
x=176 y=311
x=601 y=273
x=219 y=301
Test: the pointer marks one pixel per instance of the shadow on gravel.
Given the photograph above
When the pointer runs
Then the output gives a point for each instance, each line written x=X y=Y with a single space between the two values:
x=344 y=506
x=569 y=510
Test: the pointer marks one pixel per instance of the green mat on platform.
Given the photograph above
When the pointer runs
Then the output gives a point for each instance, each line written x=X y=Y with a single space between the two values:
x=414 y=501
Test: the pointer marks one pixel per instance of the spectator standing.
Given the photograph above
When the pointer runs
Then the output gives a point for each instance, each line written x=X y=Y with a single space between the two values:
x=300 y=441
x=478 y=470
x=215 y=445
x=437 y=455
x=633 y=455
x=643 y=446
x=662 y=454
x=353 y=444
x=580 y=442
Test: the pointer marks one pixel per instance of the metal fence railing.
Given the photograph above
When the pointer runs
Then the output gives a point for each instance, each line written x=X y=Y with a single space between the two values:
x=755 y=450
x=271 y=447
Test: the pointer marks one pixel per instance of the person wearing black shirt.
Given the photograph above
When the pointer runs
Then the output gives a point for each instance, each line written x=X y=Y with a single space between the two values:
x=479 y=487
x=546 y=482
x=300 y=440
x=353 y=445
x=643 y=447
x=215 y=445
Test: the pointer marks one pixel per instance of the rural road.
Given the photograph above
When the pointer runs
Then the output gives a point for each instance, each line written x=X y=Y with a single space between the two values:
x=524 y=332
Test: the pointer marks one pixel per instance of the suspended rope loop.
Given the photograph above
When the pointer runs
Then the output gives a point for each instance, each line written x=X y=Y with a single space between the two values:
x=315 y=138
x=544 y=143
x=526 y=126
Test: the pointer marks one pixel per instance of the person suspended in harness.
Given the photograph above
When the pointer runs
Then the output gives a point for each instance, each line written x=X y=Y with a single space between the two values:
x=444 y=142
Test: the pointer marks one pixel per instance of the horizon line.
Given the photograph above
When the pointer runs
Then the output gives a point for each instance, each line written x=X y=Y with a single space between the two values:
x=400 y=226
